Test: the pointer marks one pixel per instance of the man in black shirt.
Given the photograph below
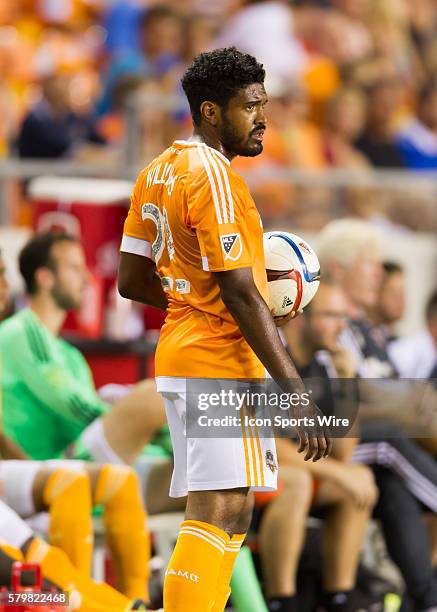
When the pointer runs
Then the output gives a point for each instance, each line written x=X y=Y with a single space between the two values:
x=347 y=490
x=51 y=129
x=378 y=141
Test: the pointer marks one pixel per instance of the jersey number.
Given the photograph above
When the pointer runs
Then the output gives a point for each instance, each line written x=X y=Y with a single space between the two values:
x=152 y=212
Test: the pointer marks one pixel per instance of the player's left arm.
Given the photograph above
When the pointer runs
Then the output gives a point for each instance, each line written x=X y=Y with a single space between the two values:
x=139 y=281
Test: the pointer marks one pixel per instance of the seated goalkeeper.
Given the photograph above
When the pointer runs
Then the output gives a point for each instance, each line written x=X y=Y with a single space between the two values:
x=51 y=408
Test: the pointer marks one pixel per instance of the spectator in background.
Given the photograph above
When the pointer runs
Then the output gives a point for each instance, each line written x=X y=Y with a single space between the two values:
x=406 y=474
x=415 y=356
x=378 y=140
x=418 y=139
x=345 y=115
x=160 y=50
x=350 y=252
x=266 y=30
x=122 y=20
x=391 y=306
x=155 y=126
x=51 y=130
x=291 y=115
x=49 y=398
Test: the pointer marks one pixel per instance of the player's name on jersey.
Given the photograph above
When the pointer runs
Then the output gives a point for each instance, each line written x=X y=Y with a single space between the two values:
x=162 y=175
x=276 y=421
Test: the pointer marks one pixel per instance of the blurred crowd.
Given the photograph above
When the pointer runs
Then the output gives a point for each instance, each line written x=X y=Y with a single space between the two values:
x=352 y=84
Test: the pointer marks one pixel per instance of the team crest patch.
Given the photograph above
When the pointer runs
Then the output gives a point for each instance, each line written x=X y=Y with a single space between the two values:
x=270 y=461
x=232 y=246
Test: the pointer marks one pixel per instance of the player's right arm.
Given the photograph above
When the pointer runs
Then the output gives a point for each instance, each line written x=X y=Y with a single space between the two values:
x=243 y=300
x=137 y=276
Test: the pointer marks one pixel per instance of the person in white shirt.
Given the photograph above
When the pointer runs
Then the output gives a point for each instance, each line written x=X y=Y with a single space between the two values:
x=415 y=356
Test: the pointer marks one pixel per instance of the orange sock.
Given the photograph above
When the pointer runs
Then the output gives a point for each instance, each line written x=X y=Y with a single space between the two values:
x=224 y=581
x=127 y=537
x=57 y=568
x=67 y=494
x=192 y=574
x=13 y=553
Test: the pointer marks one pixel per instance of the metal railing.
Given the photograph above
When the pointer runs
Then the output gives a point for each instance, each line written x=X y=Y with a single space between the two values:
x=403 y=190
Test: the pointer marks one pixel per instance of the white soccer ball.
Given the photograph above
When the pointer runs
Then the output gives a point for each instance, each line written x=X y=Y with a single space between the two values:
x=293 y=272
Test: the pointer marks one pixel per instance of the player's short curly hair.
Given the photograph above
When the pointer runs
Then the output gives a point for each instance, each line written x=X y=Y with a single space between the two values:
x=217 y=76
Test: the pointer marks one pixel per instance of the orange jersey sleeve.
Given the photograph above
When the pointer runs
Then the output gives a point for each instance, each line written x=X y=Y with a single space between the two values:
x=218 y=211
x=138 y=234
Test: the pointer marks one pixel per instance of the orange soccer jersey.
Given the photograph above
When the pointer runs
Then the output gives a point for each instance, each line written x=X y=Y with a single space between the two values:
x=193 y=214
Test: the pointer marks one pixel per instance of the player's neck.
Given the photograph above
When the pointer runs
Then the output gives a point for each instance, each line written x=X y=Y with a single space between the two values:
x=210 y=139
x=48 y=313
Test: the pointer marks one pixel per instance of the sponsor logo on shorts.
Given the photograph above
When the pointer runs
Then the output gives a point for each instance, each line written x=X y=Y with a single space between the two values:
x=232 y=246
x=183 y=574
x=270 y=461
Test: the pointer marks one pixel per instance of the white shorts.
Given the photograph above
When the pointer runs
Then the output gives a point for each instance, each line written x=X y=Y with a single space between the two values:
x=209 y=464
x=17 y=478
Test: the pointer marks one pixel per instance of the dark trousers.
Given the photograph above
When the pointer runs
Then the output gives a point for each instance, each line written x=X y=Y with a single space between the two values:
x=406 y=537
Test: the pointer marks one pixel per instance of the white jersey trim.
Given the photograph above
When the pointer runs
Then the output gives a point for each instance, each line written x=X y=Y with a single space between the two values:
x=136 y=246
x=212 y=160
x=227 y=185
x=171 y=384
x=211 y=183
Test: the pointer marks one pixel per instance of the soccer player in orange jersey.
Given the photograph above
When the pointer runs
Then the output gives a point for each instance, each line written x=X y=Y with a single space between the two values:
x=193 y=245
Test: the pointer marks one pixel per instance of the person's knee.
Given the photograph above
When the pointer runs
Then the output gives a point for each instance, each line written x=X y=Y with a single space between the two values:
x=297 y=483
x=245 y=518
x=145 y=405
x=222 y=508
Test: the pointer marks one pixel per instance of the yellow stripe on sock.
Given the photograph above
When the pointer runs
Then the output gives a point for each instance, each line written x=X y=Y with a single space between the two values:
x=216 y=538
x=202 y=537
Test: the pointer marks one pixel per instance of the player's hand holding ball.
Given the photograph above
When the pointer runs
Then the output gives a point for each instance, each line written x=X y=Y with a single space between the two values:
x=280 y=321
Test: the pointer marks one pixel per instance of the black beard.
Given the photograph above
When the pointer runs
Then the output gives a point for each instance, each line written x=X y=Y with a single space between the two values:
x=64 y=300
x=232 y=143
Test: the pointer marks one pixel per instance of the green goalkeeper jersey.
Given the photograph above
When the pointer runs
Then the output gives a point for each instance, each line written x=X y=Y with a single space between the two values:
x=49 y=396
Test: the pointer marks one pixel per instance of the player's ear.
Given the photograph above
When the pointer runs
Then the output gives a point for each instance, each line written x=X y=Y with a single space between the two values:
x=44 y=278
x=210 y=112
